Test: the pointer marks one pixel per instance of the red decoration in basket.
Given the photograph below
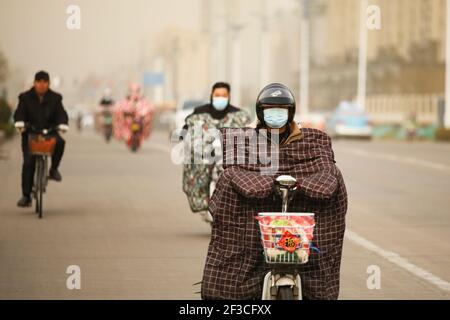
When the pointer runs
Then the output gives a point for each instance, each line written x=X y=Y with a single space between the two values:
x=289 y=242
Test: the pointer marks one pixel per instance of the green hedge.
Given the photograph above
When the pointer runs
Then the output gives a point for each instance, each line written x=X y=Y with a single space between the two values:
x=6 y=124
x=398 y=132
x=5 y=112
x=442 y=134
x=8 y=128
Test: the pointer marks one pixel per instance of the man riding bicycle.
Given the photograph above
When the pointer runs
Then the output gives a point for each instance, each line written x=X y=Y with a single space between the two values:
x=40 y=108
x=235 y=266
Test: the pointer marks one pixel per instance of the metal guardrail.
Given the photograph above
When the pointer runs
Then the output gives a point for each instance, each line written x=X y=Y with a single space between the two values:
x=396 y=109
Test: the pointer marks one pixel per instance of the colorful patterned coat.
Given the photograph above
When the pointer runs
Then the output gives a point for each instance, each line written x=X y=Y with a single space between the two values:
x=197 y=177
x=122 y=124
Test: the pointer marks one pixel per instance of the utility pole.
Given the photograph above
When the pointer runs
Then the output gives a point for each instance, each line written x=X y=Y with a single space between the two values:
x=447 y=70
x=236 y=64
x=234 y=29
x=264 y=47
x=158 y=90
x=362 y=63
x=208 y=29
x=304 y=57
x=218 y=34
x=175 y=60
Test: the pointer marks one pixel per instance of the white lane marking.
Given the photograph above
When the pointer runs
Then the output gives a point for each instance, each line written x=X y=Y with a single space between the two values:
x=391 y=157
x=388 y=255
x=398 y=260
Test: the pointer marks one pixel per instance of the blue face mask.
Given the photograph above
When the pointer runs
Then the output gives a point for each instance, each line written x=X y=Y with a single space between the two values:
x=276 y=118
x=220 y=103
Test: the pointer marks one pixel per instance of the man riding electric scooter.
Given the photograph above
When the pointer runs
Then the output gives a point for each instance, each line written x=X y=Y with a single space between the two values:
x=235 y=266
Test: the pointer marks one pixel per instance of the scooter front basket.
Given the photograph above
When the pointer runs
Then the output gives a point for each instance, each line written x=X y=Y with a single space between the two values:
x=286 y=237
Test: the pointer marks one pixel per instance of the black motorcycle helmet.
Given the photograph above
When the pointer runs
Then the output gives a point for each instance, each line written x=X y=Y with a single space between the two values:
x=275 y=94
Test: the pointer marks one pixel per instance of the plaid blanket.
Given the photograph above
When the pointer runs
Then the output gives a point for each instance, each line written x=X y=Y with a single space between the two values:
x=235 y=266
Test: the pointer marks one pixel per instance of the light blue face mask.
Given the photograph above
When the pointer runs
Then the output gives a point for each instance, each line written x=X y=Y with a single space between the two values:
x=276 y=118
x=220 y=103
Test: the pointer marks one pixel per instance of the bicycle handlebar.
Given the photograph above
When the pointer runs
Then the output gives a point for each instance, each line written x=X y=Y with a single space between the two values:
x=44 y=131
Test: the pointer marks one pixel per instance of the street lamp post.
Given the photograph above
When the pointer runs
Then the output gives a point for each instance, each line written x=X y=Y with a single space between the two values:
x=264 y=47
x=304 y=58
x=447 y=69
x=362 y=63
x=175 y=57
x=236 y=64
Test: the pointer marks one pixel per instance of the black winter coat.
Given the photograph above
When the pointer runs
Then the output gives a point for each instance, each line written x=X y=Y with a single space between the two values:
x=48 y=113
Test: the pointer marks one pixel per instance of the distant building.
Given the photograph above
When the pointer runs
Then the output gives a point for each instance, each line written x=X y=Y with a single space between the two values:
x=406 y=56
x=183 y=57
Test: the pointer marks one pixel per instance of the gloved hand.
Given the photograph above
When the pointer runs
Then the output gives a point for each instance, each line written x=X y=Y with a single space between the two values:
x=20 y=126
x=63 y=128
x=251 y=184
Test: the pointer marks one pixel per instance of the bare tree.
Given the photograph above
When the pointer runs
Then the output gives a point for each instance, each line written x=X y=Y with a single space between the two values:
x=3 y=68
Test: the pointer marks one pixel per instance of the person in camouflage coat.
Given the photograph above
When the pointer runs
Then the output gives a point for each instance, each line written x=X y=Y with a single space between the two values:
x=197 y=177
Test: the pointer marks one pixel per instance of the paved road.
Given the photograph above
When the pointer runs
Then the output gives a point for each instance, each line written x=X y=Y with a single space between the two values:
x=124 y=220
x=399 y=204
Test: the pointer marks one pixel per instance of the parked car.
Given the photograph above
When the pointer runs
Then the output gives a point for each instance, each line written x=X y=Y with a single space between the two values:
x=183 y=110
x=316 y=120
x=349 y=120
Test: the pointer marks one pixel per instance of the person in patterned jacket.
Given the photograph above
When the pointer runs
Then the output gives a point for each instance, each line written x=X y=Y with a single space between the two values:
x=219 y=113
x=235 y=266
x=133 y=103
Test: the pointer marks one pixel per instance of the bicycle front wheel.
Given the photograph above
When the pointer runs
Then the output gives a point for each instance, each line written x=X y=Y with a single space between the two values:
x=40 y=176
x=35 y=196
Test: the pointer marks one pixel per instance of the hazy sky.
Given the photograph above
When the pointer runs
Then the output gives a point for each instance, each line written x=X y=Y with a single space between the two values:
x=33 y=34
